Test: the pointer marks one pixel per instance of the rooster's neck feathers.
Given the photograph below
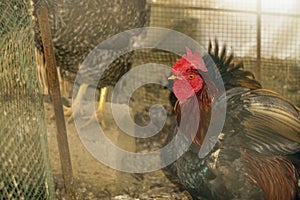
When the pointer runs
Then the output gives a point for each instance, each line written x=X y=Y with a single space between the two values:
x=232 y=74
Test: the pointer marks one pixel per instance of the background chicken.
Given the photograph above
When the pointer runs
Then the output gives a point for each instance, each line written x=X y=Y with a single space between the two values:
x=257 y=153
x=79 y=26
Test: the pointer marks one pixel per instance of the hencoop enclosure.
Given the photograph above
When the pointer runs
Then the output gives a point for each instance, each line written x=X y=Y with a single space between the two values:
x=264 y=34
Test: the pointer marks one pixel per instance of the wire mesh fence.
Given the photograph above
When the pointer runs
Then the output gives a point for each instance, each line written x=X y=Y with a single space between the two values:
x=263 y=34
x=24 y=163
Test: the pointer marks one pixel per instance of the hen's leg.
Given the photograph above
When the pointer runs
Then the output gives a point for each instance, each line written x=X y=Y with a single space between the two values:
x=75 y=108
x=71 y=111
x=41 y=72
x=100 y=109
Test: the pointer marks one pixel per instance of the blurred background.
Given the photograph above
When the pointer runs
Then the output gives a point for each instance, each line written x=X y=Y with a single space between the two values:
x=264 y=34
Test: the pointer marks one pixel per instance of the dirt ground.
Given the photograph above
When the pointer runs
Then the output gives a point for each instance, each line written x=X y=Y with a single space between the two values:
x=94 y=180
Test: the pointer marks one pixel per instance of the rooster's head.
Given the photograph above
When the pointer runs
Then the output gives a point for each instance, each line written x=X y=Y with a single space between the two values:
x=186 y=75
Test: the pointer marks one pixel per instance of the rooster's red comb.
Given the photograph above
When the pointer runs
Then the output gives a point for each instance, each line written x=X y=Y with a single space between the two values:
x=195 y=59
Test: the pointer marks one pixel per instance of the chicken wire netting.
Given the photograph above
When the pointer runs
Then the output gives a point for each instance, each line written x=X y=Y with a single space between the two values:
x=24 y=163
x=264 y=34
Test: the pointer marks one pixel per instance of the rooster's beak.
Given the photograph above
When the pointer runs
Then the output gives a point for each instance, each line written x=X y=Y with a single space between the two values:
x=174 y=77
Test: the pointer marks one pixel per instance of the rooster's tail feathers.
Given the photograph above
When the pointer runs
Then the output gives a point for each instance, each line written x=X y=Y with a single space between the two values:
x=232 y=73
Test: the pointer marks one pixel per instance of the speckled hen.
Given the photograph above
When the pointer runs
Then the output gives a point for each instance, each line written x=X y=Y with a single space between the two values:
x=79 y=26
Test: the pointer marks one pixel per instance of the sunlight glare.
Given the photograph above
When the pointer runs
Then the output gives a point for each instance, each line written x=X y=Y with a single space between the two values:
x=282 y=6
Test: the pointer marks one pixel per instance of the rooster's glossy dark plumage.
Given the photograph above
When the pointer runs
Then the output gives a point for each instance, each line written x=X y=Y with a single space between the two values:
x=257 y=153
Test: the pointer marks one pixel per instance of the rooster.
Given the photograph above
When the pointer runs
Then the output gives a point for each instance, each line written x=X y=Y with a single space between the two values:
x=256 y=155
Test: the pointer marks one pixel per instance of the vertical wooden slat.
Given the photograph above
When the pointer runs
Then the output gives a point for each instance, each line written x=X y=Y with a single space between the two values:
x=258 y=44
x=42 y=15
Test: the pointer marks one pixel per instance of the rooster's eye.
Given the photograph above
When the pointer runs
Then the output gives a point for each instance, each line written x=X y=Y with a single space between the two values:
x=191 y=76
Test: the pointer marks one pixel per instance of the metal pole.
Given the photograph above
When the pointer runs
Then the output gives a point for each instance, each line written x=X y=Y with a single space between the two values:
x=258 y=42
x=42 y=15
